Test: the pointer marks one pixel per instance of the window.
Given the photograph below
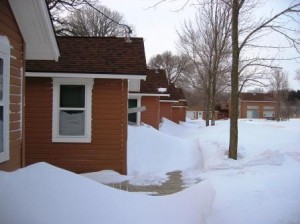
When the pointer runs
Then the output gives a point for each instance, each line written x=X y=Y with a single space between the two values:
x=4 y=98
x=72 y=99
x=269 y=111
x=132 y=118
x=134 y=102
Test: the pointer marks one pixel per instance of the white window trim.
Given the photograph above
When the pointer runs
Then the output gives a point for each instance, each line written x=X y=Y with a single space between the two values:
x=5 y=55
x=139 y=104
x=87 y=137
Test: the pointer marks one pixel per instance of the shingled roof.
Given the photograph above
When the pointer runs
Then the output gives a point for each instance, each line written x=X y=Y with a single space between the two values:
x=176 y=93
x=96 y=55
x=256 y=97
x=155 y=79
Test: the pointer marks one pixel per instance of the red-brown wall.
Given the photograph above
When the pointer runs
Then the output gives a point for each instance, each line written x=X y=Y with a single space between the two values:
x=109 y=128
x=151 y=115
x=166 y=110
x=178 y=114
x=9 y=28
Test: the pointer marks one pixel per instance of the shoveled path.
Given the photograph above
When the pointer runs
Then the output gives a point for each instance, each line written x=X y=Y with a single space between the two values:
x=173 y=185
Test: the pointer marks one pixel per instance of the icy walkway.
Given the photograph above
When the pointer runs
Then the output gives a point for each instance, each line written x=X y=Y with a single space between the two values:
x=172 y=185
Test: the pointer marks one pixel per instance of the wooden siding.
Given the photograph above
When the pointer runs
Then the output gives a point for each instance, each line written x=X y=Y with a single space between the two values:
x=166 y=110
x=178 y=114
x=151 y=115
x=109 y=128
x=9 y=28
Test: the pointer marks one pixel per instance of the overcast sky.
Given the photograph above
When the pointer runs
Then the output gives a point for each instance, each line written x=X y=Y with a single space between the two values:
x=158 y=25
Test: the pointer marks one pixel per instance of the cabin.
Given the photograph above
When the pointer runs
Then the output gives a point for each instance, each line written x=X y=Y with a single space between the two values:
x=76 y=113
x=26 y=32
x=151 y=89
x=174 y=106
x=257 y=105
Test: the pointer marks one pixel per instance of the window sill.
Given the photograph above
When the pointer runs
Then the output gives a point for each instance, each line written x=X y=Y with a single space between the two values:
x=72 y=140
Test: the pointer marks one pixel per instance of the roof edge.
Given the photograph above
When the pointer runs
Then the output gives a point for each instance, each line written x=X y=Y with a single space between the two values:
x=84 y=75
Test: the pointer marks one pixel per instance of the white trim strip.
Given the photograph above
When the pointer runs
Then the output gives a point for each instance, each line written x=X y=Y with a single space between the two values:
x=148 y=94
x=136 y=109
x=169 y=101
x=84 y=75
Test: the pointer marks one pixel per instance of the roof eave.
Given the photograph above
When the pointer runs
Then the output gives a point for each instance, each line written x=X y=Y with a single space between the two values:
x=85 y=75
x=36 y=27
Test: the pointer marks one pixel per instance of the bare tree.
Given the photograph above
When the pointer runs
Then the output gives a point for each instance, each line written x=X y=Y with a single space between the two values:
x=59 y=9
x=279 y=86
x=253 y=32
x=174 y=65
x=206 y=43
x=246 y=31
x=88 y=22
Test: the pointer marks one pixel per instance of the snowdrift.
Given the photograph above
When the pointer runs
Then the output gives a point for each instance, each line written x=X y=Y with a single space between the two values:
x=188 y=130
x=151 y=151
x=45 y=194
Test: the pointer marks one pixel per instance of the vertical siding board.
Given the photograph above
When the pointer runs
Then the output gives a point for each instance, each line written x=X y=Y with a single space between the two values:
x=9 y=28
x=107 y=134
x=151 y=115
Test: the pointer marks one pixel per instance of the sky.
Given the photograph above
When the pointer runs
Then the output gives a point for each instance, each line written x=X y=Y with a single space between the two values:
x=158 y=25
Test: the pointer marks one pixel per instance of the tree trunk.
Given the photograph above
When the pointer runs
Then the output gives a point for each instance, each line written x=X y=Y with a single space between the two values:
x=233 y=142
x=207 y=108
x=213 y=100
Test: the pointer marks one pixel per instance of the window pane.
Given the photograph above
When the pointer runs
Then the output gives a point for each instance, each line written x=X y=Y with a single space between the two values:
x=132 y=103
x=71 y=123
x=72 y=96
x=1 y=78
x=1 y=129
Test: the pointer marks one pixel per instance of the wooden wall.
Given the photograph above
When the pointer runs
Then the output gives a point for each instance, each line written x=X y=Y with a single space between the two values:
x=178 y=114
x=151 y=115
x=109 y=128
x=9 y=28
x=166 y=110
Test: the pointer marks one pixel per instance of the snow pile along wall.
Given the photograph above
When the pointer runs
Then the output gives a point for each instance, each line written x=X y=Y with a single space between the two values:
x=151 y=151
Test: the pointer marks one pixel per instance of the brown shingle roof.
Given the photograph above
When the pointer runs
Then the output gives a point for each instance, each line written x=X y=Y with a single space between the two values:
x=175 y=93
x=97 y=55
x=155 y=79
x=256 y=97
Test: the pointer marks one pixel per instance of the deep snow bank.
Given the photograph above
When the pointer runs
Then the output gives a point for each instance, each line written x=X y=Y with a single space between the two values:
x=189 y=130
x=151 y=151
x=45 y=194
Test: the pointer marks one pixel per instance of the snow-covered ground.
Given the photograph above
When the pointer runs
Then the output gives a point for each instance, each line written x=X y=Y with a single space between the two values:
x=261 y=187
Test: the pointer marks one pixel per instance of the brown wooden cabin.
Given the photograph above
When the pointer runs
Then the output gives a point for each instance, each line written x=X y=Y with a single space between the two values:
x=174 y=106
x=154 y=87
x=257 y=105
x=76 y=114
x=25 y=33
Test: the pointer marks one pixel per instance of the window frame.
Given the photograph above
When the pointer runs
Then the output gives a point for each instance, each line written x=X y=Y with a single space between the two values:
x=5 y=102
x=87 y=137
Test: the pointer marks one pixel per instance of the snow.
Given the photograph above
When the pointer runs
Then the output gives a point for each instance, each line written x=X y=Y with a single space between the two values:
x=261 y=187
x=153 y=152
x=45 y=194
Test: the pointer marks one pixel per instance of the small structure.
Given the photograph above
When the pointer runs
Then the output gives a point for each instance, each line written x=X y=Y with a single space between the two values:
x=257 y=105
x=76 y=114
x=195 y=112
x=154 y=87
x=25 y=33
x=174 y=106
